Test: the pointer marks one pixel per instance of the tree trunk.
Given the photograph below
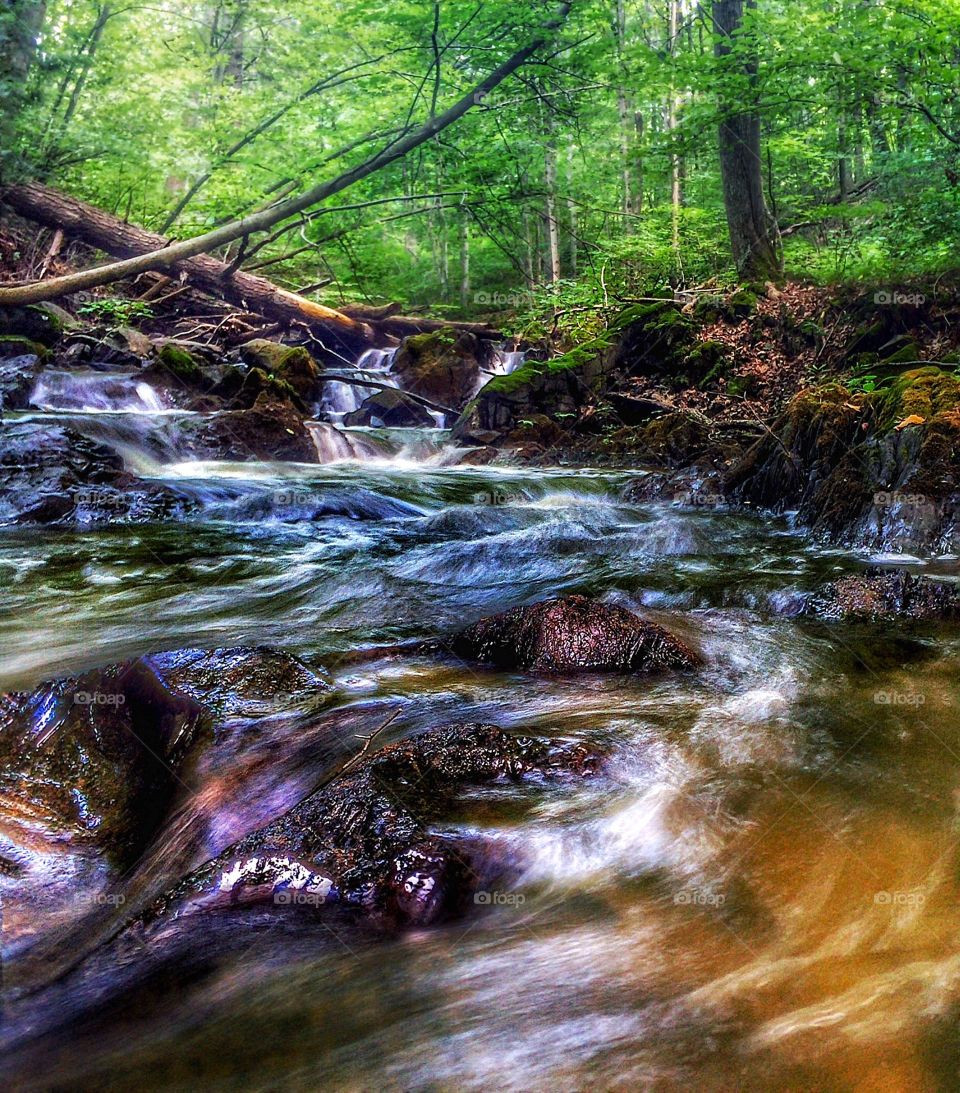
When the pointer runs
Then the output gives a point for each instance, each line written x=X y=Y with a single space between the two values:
x=105 y=232
x=18 y=43
x=464 y=261
x=550 y=185
x=754 y=237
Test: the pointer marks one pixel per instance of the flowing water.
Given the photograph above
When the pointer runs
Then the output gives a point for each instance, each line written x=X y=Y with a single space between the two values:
x=758 y=891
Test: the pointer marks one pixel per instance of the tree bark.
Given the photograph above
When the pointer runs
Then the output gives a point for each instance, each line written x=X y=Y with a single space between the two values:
x=105 y=232
x=19 y=29
x=173 y=256
x=754 y=237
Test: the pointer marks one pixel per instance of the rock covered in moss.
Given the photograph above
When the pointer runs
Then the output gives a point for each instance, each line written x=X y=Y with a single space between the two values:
x=571 y=634
x=886 y=594
x=443 y=366
x=291 y=365
x=879 y=469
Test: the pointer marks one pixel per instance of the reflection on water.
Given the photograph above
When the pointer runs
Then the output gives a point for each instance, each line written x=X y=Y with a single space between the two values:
x=759 y=891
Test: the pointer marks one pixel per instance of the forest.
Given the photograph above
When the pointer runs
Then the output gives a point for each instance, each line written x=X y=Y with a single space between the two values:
x=480 y=545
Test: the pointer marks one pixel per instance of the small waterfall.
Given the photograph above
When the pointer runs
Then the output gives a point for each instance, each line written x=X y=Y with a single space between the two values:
x=96 y=392
x=337 y=446
x=508 y=361
x=340 y=399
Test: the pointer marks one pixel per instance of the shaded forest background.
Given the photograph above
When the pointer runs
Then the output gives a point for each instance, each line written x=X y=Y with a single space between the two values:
x=592 y=174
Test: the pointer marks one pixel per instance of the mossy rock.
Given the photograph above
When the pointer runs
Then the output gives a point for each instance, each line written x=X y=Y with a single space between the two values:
x=741 y=304
x=707 y=361
x=927 y=393
x=180 y=364
x=289 y=364
x=14 y=345
x=43 y=323
x=709 y=309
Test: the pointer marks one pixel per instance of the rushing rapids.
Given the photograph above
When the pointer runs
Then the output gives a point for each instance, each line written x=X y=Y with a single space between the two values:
x=756 y=885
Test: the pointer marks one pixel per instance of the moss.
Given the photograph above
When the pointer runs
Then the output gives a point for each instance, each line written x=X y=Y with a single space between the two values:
x=434 y=340
x=178 y=362
x=924 y=392
x=707 y=361
x=742 y=303
x=13 y=345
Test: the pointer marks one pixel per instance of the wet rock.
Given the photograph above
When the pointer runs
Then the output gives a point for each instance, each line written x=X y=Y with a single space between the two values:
x=367 y=839
x=13 y=345
x=886 y=594
x=392 y=409
x=291 y=364
x=443 y=366
x=86 y=773
x=43 y=323
x=17 y=378
x=571 y=634
x=51 y=474
x=269 y=430
x=241 y=682
x=880 y=470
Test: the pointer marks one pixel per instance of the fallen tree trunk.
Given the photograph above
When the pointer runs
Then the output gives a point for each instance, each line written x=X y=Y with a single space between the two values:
x=97 y=228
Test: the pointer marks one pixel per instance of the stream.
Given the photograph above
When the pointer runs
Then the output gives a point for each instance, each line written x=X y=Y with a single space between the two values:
x=758 y=889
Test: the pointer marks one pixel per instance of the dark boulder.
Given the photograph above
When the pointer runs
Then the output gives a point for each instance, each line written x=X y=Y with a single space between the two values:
x=51 y=474
x=392 y=409
x=443 y=366
x=886 y=594
x=571 y=634
x=270 y=430
x=366 y=839
x=290 y=364
x=18 y=376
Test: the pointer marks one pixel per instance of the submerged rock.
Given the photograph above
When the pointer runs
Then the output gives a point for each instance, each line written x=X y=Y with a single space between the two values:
x=49 y=474
x=92 y=766
x=880 y=594
x=571 y=634
x=241 y=682
x=367 y=838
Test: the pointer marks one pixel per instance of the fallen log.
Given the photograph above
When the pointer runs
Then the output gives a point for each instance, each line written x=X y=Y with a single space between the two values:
x=99 y=229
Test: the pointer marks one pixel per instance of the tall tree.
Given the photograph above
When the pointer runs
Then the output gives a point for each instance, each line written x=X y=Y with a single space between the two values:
x=20 y=23
x=754 y=236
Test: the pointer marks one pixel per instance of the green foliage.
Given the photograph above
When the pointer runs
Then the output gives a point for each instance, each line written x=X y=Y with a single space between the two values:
x=116 y=311
x=222 y=124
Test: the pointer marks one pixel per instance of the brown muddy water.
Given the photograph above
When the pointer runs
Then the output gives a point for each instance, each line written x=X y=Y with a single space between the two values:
x=759 y=890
